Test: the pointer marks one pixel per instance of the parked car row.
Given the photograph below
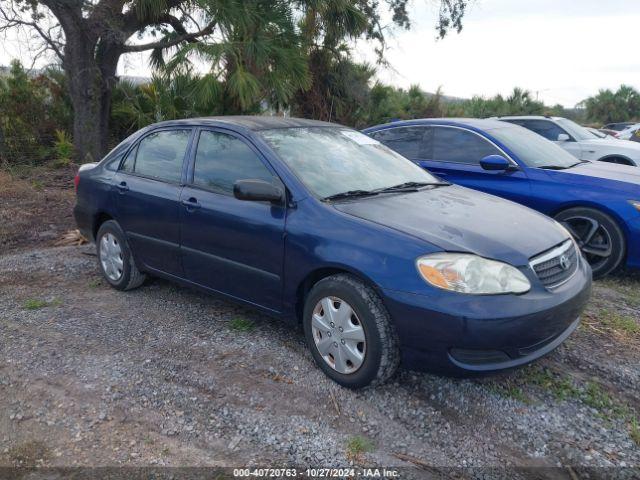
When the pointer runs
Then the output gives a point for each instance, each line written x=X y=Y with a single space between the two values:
x=579 y=141
x=370 y=242
x=631 y=133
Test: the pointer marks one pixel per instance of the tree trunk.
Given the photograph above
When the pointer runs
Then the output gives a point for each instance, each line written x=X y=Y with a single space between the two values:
x=91 y=68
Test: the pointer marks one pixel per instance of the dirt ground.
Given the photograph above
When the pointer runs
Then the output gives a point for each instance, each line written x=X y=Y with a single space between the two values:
x=35 y=207
x=163 y=375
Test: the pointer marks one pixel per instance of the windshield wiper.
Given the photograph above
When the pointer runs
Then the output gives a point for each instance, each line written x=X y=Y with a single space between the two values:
x=563 y=167
x=351 y=194
x=411 y=186
x=553 y=167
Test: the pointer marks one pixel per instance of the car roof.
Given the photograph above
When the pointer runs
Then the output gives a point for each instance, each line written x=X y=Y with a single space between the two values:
x=528 y=117
x=249 y=122
x=476 y=123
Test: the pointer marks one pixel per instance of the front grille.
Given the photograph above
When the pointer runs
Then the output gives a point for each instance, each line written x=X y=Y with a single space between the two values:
x=556 y=266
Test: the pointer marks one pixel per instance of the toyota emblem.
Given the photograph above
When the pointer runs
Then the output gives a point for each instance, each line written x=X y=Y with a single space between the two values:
x=565 y=263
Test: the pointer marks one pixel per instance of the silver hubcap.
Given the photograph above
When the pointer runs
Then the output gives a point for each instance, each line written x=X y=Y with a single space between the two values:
x=338 y=335
x=111 y=257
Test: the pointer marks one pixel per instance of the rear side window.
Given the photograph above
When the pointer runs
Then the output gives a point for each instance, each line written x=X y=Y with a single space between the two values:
x=548 y=130
x=159 y=155
x=460 y=146
x=407 y=141
x=222 y=159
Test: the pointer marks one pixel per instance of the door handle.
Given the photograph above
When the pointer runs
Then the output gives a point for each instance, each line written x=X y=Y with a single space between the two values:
x=191 y=204
x=122 y=186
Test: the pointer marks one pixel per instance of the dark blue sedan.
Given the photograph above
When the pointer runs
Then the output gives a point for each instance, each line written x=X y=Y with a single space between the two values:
x=599 y=203
x=325 y=227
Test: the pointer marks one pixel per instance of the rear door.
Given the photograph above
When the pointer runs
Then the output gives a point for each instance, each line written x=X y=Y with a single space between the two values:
x=231 y=246
x=147 y=187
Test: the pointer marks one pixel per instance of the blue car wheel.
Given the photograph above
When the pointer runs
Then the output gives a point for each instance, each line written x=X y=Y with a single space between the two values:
x=599 y=237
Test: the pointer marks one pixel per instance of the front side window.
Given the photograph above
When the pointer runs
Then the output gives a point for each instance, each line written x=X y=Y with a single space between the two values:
x=572 y=128
x=222 y=159
x=159 y=155
x=460 y=146
x=407 y=141
x=532 y=149
x=333 y=160
x=545 y=128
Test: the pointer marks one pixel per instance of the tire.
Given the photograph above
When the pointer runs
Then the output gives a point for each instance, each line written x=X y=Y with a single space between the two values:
x=126 y=276
x=580 y=221
x=380 y=349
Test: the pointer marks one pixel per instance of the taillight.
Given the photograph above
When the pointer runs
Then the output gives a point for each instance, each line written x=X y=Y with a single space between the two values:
x=76 y=181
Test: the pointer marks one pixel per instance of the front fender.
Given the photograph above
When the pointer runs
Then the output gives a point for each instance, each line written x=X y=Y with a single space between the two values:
x=318 y=237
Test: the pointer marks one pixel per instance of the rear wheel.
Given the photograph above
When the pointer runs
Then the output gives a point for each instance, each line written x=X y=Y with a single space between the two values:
x=599 y=237
x=350 y=332
x=115 y=259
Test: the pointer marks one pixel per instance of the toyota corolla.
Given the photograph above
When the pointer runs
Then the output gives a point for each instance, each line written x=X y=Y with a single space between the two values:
x=380 y=261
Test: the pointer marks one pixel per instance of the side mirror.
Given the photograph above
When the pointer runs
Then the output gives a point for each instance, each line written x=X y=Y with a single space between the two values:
x=495 y=162
x=257 y=191
x=563 y=137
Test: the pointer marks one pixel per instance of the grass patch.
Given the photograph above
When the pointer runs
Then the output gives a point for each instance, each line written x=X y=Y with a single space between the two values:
x=509 y=390
x=560 y=387
x=359 y=445
x=29 y=454
x=95 y=283
x=626 y=287
x=618 y=322
x=241 y=324
x=37 y=303
x=634 y=431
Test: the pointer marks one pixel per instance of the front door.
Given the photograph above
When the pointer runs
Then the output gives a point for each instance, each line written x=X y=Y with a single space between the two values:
x=147 y=191
x=454 y=154
x=228 y=245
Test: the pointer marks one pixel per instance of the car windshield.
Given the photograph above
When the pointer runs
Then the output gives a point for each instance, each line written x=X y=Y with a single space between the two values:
x=334 y=160
x=576 y=131
x=533 y=149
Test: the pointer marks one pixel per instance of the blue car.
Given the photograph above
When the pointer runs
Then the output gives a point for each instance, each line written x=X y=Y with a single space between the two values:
x=320 y=225
x=599 y=203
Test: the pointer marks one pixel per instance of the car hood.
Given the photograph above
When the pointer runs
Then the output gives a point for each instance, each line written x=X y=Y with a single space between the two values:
x=606 y=171
x=461 y=220
x=614 y=143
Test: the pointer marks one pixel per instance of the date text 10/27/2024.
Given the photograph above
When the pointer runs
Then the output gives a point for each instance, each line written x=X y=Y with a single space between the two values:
x=316 y=472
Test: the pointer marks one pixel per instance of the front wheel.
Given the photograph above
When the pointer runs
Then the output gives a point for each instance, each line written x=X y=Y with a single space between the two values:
x=350 y=333
x=599 y=237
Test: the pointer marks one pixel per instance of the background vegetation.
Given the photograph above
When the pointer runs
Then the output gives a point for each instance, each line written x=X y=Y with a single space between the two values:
x=36 y=114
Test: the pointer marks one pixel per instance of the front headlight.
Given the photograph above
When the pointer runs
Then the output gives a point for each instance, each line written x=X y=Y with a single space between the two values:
x=467 y=273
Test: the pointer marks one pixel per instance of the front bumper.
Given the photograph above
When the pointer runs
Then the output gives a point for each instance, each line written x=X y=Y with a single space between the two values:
x=633 y=243
x=458 y=334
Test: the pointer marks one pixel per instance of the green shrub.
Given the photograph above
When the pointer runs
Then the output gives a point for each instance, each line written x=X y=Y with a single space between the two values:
x=63 y=148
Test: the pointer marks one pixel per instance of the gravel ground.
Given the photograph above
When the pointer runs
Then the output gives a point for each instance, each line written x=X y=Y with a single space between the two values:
x=163 y=375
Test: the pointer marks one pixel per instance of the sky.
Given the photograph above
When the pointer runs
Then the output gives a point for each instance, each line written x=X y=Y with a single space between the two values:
x=561 y=50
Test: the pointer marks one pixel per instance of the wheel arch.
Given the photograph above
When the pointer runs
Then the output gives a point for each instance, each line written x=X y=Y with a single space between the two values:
x=602 y=209
x=608 y=158
x=314 y=276
x=594 y=206
x=98 y=219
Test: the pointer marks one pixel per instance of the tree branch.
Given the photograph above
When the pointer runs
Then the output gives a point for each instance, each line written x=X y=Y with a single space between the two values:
x=16 y=20
x=186 y=37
